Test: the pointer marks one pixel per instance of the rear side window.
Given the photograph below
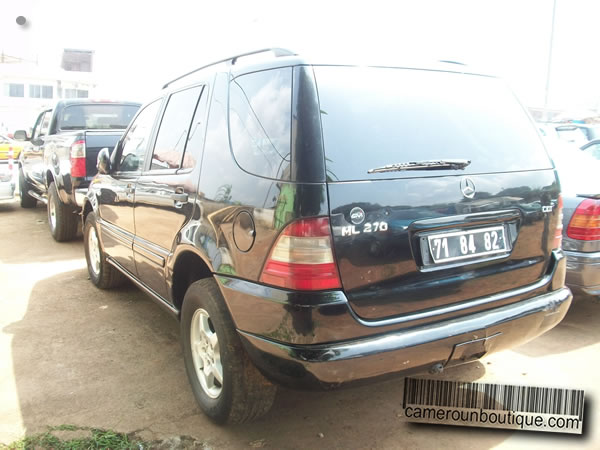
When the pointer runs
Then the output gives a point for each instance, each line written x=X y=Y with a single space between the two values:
x=372 y=117
x=260 y=106
x=174 y=129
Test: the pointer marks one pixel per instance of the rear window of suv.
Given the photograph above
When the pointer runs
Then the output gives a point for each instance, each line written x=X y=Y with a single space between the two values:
x=373 y=117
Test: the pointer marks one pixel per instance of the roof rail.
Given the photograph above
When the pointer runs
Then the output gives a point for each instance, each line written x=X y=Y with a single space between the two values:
x=277 y=52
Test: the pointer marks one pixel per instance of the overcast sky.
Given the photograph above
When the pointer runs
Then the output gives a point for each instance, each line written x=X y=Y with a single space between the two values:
x=139 y=46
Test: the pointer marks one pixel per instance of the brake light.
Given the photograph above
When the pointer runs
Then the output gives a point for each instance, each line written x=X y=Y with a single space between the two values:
x=559 y=224
x=302 y=257
x=10 y=159
x=585 y=223
x=78 y=159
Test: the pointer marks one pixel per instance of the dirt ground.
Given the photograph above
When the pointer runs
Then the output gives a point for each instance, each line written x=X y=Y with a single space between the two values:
x=72 y=354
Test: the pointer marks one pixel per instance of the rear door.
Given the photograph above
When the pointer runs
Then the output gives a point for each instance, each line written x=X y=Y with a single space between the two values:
x=165 y=192
x=412 y=241
x=117 y=189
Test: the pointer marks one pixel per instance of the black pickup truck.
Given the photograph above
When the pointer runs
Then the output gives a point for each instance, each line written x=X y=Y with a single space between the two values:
x=59 y=159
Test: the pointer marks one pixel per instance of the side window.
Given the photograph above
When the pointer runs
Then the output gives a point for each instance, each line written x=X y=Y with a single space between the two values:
x=46 y=123
x=260 y=115
x=174 y=129
x=195 y=140
x=136 y=141
x=41 y=124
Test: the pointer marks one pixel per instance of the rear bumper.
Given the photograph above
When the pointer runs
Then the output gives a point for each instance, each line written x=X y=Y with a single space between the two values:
x=314 y=340
x=444 y=344
x=583 y=272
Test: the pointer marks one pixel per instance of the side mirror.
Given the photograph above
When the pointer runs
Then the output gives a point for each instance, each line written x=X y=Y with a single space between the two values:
x=103 y=162
x=21 y=135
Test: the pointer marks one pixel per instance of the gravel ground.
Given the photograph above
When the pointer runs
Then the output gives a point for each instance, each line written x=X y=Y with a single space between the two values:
x=72 y=354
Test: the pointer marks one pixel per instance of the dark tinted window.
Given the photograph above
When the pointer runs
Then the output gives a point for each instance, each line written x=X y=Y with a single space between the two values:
x=195 y=144
x=260 y=106
x=96 y=116
x=373 y=117
x=174 y=128
x=137 y=138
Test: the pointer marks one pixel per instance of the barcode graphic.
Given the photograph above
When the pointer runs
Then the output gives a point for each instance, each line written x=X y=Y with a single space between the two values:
x=500 y=397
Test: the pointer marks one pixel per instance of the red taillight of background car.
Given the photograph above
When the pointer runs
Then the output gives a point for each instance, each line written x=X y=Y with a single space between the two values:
x=559 y=225
x=302 y=257
x=585 y=223
x=78 y=159
x=10 y=159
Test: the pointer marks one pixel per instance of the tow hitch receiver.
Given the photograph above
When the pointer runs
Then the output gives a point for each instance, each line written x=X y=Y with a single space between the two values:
x=470 y=350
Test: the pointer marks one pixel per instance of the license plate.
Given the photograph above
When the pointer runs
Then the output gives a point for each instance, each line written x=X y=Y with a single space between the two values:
x=458 y=245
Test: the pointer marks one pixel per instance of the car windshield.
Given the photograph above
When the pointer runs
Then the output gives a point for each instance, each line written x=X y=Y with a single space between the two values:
x=96 y=116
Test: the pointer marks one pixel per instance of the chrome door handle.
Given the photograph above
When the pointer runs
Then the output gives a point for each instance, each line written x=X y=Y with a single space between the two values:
x=130 y=189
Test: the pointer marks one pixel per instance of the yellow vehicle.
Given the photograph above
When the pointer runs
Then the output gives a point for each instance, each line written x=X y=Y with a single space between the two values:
x=6 y=144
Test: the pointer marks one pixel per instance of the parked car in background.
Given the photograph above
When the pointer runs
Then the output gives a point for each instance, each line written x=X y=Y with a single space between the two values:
x=580 y=184
x=574 y=133
x=9 y=152
x=7 y=178
x=591 y=131
x=59 y=160
x=592 y=148
x=321 y=240
x=7 y=145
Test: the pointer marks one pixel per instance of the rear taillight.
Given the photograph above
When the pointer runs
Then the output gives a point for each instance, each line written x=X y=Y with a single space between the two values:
x=302 y=257
x=10 y=159
x=78 y=159
x=585 y=223
x=559 y=224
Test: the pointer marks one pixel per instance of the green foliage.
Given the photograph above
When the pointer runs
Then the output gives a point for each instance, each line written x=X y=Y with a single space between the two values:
x=98 y=439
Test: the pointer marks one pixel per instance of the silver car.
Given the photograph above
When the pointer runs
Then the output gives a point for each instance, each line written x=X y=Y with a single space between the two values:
x=580 y=183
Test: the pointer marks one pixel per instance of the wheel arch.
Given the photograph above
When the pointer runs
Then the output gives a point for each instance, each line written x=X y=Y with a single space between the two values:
x=87 y=208
x=49 y=178
x=187 y=266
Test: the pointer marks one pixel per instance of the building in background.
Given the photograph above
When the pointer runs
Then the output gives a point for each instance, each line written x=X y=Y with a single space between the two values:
x=27 y=87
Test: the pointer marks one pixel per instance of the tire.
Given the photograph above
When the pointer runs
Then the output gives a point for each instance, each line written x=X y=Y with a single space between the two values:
x=244 y=394
x=27 y=201
x=62 y=219
x=102 y=274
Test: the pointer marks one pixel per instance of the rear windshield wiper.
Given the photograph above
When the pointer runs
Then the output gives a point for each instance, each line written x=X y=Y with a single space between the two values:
x=434 y=164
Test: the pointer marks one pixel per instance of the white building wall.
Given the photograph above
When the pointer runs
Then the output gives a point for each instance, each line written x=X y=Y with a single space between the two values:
x=21 y=112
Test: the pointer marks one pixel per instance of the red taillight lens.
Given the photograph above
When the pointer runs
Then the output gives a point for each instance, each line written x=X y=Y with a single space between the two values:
x=10 y=159
x=78 y=159
x=559 y=225
x=585 y=223
x=302 y=257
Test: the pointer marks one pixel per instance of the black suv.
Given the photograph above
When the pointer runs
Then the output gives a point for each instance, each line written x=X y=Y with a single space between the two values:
x=316 y=225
